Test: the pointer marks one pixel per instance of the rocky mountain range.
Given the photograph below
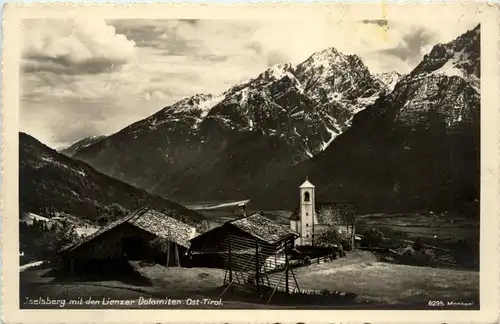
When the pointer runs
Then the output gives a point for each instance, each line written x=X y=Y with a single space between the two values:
x=416 y=147
x=383 y=141
x=389 y=79
x=229 y=146
x=51 y=182
x=80 y=144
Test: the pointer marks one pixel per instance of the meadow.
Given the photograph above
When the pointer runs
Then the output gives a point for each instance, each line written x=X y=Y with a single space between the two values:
x=376 y=284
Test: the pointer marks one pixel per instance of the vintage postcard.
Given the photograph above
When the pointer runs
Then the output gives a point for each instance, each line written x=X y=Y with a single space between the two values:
x=251 y=163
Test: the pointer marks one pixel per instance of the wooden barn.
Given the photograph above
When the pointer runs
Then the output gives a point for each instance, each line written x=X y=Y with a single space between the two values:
x=255 y=227
x=248 y=248
x=132 y=237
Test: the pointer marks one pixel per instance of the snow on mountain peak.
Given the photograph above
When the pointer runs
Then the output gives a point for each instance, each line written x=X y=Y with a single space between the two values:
x=460 y=57
x=199 y=102
x=279 y=69
x=388 y=79
x=209 y=103
x=71 y=149
x=278 y=72
x=196 y=107
x=445 y=83
x=320 y=94
x=452 y=66
x=326 y=54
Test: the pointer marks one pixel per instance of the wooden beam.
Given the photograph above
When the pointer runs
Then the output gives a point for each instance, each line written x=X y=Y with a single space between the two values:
x=276 y=287
x=71 y=265
x=296 y=282
x=353 y=236
x=257 y=270
x=286 y=269
x=168 y=253
x=230 y=260
x=178 y=261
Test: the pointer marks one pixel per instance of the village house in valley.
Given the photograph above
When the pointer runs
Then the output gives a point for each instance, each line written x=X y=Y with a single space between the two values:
x=130 y=238
x=311 y=217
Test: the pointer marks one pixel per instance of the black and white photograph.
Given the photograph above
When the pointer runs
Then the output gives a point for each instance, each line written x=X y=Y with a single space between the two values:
x=245 y=163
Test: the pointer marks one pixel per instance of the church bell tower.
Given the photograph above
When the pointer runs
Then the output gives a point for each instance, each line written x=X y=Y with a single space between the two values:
x=307 y=212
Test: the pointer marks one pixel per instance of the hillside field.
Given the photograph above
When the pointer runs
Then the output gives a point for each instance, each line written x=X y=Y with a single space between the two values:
x=377 y=284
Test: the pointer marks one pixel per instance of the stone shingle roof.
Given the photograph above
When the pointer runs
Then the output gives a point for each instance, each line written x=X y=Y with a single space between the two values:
x=165 y=227
x=263 y=228
x=150 y=221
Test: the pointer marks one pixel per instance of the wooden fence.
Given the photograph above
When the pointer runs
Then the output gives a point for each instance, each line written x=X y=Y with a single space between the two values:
x=323 y=259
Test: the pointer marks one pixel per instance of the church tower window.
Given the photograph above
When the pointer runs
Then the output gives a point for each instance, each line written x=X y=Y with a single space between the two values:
x=307 y=196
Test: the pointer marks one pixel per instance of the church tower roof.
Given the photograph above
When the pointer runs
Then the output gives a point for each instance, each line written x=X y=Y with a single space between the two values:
x=307 y=184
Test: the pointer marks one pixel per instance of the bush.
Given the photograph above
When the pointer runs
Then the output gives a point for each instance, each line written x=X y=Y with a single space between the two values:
x=102 y=220
x=372 y=237
x=42 y=242
x=325 y=292
x=345 y=245
x=340 y=250
x=331 y=236
x=111 y=212
x=427 y=254
x=203 y=227
x=399 y=234
x=418 y=245
x=389 y=259
x=409 y=251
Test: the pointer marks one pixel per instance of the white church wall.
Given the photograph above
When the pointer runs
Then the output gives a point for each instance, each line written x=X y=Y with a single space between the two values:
x=307 y=212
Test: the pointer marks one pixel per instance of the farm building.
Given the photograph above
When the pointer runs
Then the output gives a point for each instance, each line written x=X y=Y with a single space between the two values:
x=248 y=248
x=311 y=216
x=131 y=238
x=256 y=227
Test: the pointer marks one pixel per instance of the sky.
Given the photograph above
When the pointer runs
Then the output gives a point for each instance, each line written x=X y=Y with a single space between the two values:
x=91 y=77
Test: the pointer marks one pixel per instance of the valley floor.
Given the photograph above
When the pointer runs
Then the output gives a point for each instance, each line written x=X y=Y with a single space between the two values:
x=377 y=285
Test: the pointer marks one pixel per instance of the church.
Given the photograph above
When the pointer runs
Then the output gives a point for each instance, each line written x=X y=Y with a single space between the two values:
x=304 y=220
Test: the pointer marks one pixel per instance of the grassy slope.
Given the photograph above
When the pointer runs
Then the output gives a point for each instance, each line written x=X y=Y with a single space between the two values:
x=391 y=283
x=376 y=282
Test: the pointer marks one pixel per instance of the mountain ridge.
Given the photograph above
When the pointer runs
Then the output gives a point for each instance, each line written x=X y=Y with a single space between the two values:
x=76 y=146
x=288 y=113
x=414 y=148
x=51 y=181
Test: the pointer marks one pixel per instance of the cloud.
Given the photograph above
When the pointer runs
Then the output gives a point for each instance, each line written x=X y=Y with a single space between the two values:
x=412 y=46
x=74 y=47
x=61 y=122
